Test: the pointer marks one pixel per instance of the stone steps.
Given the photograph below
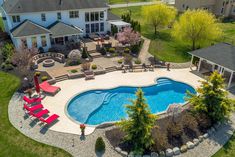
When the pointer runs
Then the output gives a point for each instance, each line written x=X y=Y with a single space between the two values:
x=61 y=78
x=111 y=69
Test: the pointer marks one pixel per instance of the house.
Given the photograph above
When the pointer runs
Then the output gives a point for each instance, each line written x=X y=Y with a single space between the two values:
x=218 y=7
x=219 y=57
x=44 y=23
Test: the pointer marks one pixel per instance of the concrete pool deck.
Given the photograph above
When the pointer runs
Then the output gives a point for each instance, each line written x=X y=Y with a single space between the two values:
x=70 y=88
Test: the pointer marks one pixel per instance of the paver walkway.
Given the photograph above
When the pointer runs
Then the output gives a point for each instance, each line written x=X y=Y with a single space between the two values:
x=144 y=54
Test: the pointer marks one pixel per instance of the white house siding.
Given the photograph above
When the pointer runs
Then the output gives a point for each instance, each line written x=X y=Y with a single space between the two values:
x=17 y=41
x=51 y=17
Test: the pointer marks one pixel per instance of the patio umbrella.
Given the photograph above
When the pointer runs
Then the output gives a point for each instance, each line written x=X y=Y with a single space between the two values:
x=36 y=84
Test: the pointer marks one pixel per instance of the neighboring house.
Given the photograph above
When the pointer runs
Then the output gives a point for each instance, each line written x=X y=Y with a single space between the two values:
x=218 y=7
x=42 y=23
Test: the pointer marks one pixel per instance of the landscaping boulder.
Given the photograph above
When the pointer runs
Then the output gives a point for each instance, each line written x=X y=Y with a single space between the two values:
x=169 y=152
x=124 y=153
x=190 y=145
x=162 y=154
x=195 y=141
x=118 y=149
x=183 y=148
x=154 y=154
x=200 y=138
x=206 y=135
x=176 y=151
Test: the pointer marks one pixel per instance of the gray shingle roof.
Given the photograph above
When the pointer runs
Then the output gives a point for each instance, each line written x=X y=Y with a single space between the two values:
x=27 y=6
x=60 y=29
x=222 y=54
x=28 y=28
x=113 y=17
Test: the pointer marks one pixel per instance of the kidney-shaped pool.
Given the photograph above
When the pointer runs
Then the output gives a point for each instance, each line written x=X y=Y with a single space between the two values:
x=99 y=106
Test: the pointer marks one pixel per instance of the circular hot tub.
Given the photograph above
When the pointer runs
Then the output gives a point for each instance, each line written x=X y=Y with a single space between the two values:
x=48 y=63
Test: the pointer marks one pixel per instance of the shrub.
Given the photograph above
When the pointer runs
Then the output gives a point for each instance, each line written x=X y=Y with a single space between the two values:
x=84 y=53
x=189 y=121
x=137 y=61
x=112 y=50
x=203 y=121
x=86 y=66
x=94 y=67
x=73 y=62
x=128 y=59
x=135 y=49
x=74 y=71
x=103 y=51
x=99 y=145
x=44 y=78
x=174 y=129
x=127 y=50
x=160 y=140
x=3 y=65
x=37 y=73
x=120 y=61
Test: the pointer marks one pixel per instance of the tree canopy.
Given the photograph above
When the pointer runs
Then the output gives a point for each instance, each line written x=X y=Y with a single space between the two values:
x=196 y=27
x=138 y=126
x=159 y=15
x=212 y=99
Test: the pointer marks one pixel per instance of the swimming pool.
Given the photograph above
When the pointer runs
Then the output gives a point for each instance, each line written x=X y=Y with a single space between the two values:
x=99 y=106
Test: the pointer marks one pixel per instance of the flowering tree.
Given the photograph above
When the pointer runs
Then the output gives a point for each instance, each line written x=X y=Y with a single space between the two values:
x=22 y=58
x=128 y=36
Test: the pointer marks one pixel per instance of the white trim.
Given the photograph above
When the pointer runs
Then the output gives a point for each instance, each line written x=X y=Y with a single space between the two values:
x=230 y=79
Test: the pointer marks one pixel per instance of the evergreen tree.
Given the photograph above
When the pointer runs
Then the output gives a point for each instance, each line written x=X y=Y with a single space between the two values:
x=212 y=99
x=138 y=126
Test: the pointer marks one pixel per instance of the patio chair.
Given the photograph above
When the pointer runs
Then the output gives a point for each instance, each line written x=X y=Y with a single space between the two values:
x=47 y=88
x=39 y=114
x=31 y=101
x=50 y=119
x=33 y=108
x=89 y=75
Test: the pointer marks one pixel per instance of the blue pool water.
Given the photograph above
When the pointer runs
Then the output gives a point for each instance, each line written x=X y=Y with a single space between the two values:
x=98 y=106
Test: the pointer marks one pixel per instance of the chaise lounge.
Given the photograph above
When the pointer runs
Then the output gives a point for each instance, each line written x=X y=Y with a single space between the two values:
x=47 y=88
x=33 y=100
x=39 y=114
x=50 y=119
x=34 y=108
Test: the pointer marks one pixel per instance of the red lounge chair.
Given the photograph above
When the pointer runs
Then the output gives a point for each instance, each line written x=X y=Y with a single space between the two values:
x=33 y=108
x=50 y=119
x=47 y=88
x=33 y=100
x=39 y=114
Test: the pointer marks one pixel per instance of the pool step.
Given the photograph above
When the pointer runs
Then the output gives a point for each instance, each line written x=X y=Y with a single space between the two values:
x=108 y=97
x=61 y=78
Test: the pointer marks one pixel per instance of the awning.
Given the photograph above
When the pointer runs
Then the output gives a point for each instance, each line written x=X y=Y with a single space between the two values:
x=119 y=23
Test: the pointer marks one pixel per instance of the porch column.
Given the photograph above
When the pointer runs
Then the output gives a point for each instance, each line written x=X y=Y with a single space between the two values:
x=230 y=80
x=64 y=40
x=199 y=64
x=191 y=62
x=213 y=67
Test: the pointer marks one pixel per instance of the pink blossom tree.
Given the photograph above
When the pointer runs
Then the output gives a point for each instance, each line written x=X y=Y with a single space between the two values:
x=128 y=36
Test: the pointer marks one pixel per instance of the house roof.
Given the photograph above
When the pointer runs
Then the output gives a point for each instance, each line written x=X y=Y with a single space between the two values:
x=60 y=29
x=113 y=17
x=28 y=6
x=222 y=54
x=28 y=28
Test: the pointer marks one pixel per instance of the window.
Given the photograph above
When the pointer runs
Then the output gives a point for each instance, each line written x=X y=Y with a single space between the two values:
x=101 y=27
x=16 y=18
x=44 y=41
x=222 y=10
x=92 y=28
x=96 y=16
x=58 y=16
x=92 y=16
x=34 y=42
x=73 y=14
x=24 y=42
x=97 y=25
x=87 y=17
x=183 y=5
x=43 y=17
x=101 y=16
x=87 y=28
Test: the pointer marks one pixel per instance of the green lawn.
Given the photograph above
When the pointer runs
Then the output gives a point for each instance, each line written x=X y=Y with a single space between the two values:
x=164 y=46
x=12 y=142
x=228 y=149
x=125 y=1
x=1 y=24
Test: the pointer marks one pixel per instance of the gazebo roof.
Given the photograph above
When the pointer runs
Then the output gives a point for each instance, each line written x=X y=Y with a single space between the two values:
x=222 y=54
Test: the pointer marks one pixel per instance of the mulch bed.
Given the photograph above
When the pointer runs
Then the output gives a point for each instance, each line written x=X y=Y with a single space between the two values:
x=165 y=134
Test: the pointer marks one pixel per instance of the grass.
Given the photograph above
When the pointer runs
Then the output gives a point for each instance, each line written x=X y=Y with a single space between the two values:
x=163 y=46
x=125 y=1
x=12 y=142
x=1 y=24
x=228 y=149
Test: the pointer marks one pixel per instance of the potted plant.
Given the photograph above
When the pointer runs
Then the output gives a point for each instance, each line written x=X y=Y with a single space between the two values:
x=82 y=127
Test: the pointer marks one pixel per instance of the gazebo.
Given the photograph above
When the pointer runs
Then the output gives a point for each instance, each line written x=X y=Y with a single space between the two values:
x=219 y=57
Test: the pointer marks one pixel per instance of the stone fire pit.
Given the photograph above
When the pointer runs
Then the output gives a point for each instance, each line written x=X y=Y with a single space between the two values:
x=48 y=63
